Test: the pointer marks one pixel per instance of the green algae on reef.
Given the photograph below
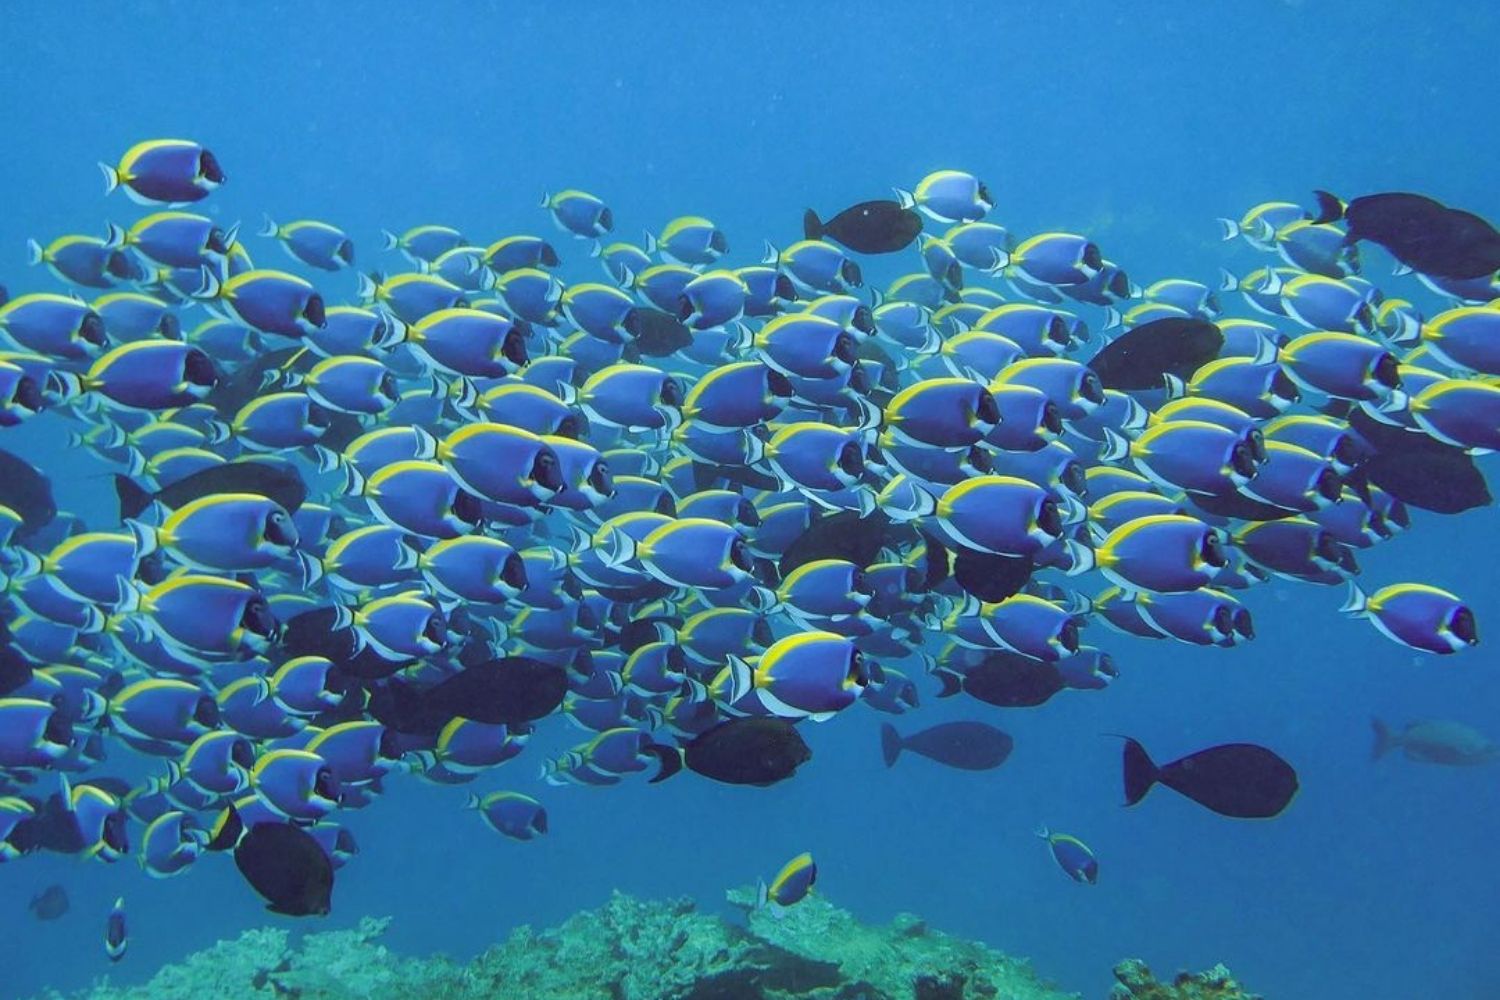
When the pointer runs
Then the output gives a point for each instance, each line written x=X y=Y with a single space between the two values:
x=630 y=949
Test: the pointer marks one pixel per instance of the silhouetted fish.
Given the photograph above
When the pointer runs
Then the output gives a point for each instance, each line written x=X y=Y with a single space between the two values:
x=1140 y=358
x=869 y=227
x=1423 y=234
x=971 y=746
x=1003 y=679
x=50 y=903
x=285 y=865
x=26 y=491
x=748 y=751
x=1241 y=780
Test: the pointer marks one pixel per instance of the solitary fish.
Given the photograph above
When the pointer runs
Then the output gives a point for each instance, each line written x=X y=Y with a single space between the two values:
x=116 y=937
x=971 y=746
x=869 y=227
x=1435 y=742
x=50 y=903
x=1241 y=780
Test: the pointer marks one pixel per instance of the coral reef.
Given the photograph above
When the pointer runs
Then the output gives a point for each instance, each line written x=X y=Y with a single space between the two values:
x=630 y=949
x=1134 y=981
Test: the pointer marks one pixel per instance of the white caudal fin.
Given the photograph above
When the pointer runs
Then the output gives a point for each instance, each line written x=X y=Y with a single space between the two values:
x=1356 y=604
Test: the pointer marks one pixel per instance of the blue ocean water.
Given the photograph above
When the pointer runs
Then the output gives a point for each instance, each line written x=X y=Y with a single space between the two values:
x=1135 y=124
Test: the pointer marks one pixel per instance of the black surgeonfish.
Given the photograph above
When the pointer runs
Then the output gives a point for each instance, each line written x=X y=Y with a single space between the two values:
x=869 y=227
x=1139 y=358
x=512 y=690
x=1005 y=680
x=1240 y=780
x=844 y=536
x=266 y=477
x=285 y=865
x=991 y=577
x=1417 y=469
x=26 y=491
x=747 y=751
x=970 y=746
x=1421 y=233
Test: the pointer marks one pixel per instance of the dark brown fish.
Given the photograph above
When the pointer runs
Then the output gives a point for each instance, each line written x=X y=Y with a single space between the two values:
x=748 y=751
x=970 y=746
x=869 y=227
x=1140 y=358
x=265 y=477
x=1005 y=680
x=286 y=865
x=1421 y=233
x=50 y=903
x=1240 y=780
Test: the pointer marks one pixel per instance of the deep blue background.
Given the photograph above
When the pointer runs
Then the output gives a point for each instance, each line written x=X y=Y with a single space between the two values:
x=1138 y=124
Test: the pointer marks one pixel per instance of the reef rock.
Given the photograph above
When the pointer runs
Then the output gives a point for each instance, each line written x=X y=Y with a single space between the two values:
x=1134 y=981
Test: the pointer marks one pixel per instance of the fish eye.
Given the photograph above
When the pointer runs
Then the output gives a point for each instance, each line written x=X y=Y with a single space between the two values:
x=684 y=307
x=547 y=471
x=606 y=219
x=91 y=329
x=242 y=754
x=631 y=324
x=986 y=409
x=785 y=290
x=314 y=312
x=845 y=349
x=208 y=167
x=1051 y=421
x=198 y=369
x=780 y=386
x=572 y=426
x=746 y=513
x=115 y=832
x=317 y=416
x=325 y=785
x=548 y=256
x=858 y=673
x=666 y=504
x=671 y=392
x=1212 y=550
x=1091 y=389
x=1328 y=548
x=1257 y=442
x=761 y=632
x=851 y=274
x=1049 y=517
x=1223 y=621
x=467 y=507
x=863 y=320
x=1465 y=626
x=1378 y=524
x=206 y=712
x=28 y=394
x=1119 y=286
x=859 y=378
x=851 y=460
x=718 y=242
x=1330 y=485
x=1068 y=635
x=1282 y=387
x=979 y=461
x=1387 y=371
x=345 y=252
x=122 y=265
x=1398 y=515
x=740 y=556
x=600 y=479
x=1057 y=330
x=587 y=619
x=1243 y=623
x=984 y=194
x=58 y=731
x=1242 y=461
x=1075 y=478
x=258 y=618
x=388 y=387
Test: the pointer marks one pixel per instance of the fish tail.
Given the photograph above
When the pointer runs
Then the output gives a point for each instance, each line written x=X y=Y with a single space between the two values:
x=1228 y=229
x=34 y=253
x=1383 y=739
x=111 y=177
x=1330 y=208
x=389 y=240
x=890 y=743
x=762 y=894
x=1140 y=772
x=812 y=226
x=670 y=759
